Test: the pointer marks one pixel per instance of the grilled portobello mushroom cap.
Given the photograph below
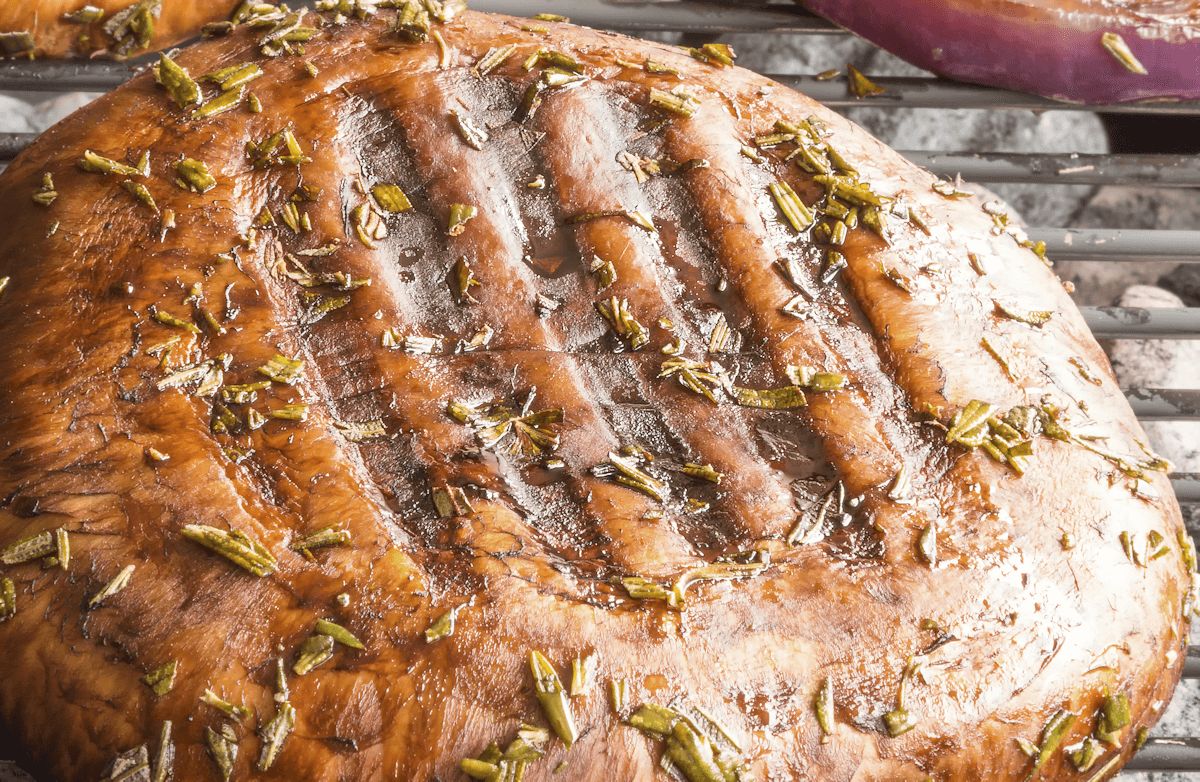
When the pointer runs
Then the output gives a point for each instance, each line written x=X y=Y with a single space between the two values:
x=455 y=394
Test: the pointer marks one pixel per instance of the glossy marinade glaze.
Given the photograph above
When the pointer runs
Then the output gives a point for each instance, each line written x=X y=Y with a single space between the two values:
x=106 y=28
x=495 y=346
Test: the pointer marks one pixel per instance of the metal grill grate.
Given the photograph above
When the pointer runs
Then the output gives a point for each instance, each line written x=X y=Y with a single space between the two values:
x=767 y=18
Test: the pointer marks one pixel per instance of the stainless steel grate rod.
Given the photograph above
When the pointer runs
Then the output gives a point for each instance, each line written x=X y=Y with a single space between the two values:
x=1139 y=323
x=1167 y=754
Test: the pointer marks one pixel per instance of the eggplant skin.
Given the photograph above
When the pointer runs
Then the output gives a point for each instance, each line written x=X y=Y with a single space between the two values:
x=1051 y=48
x=1035 y=605
x=54 y=37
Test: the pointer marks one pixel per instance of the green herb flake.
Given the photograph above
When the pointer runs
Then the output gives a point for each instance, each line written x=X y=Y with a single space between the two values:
x=175 y=79
x=694 y=754
x=553 y=698
x=677 y=101
x=326 y=537
x=282 y=369
x=451 y=502
x=274 y=734
x=133 y=28
x=625 y=471
x=616 y=311
x=719 y=54
x=162 y=679
x=1053 y=733
x=1114 y=716
x=1120 y=50
x=798 y=215
x=460 y=215
x=8 y=599
x=390 y=198
x=1030 y=317
x=141 y=193
x=234 y=76
x=494 y=58
x=29 y=549
x=46 y=194
x=462 y=279
x=969 y=426
x=97 y=164
x=361 y=431
x=783 y=398
x=443 y=626
x=315 y=651
x=703 y=471
x=236 y=546
x=62 y=548
x=88 y=14
x=338 y=633
x=859 y=85
x=234 y=712
x=113 y=587
x=175 y=322
x=823 y=705
x=194 y=175
x=716 y=571
x=223 y=748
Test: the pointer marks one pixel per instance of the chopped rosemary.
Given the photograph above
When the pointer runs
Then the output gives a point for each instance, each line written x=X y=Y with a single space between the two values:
x=282 y=369
x=236 y=546
x=97 y=164
x=46 y=194
x=823 y=705
x=783 y=398
x=1114 y=716
x=162 y=679
x=451 y=501
x=474 y=136
x=625 y=471
x=62 y=548
x=494 y=58
x=899 y=720
x=338 y=633
x=326 y=537
x=175 y=79
x=360 y=431
x=798 y=215
x=677 y=101
x=280 y=148
x=234 y=76
x=232 y=711
x=719 y=54
x=1117 y=47
x=460 y=215
x=164 y=758
x=703 y=471
x=443 y=626
x=1052 y=736
x=501 y=428
x=859 y=85
x=624 y=325
x=274 y=734
x=583 y=671
x=113 y=587
x=223 y=747
x=462 y=279
x=553 y=698
x=1029 y=317
x=8 y=599
x=315 y=651
x=194 y=175
x=927 y=544
x=390 y=198
x=697 y=377
x=141 y=193
x=29 y=549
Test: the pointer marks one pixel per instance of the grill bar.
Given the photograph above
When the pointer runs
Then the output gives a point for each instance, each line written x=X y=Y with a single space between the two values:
x=1097 y=244
x=927 y=92
x=1068 y=169
x=1071 y=169
x=1140 y=323
x=1187 y=489
x=1165 y=404
x=1167 y=754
